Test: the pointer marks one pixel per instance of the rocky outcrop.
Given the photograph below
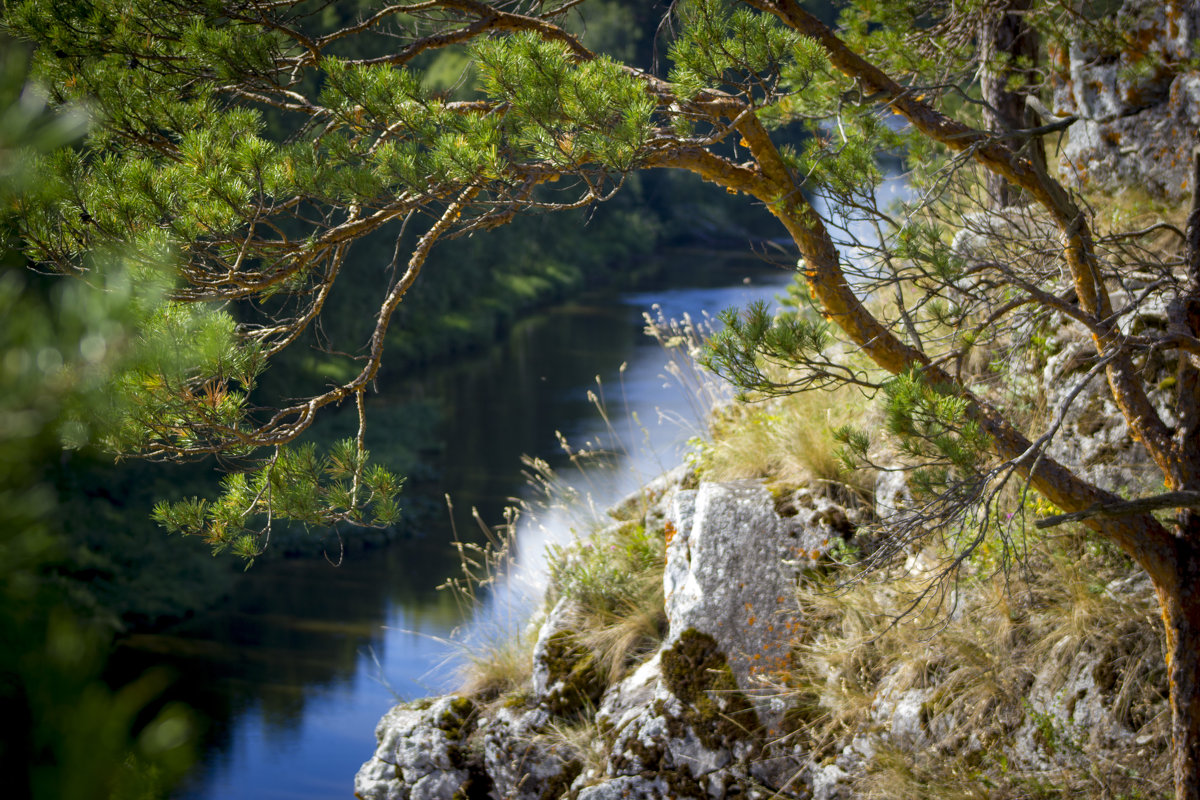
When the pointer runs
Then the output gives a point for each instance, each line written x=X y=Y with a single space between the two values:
x=689 y=722
x=420 y=754
x=1138 y=105
x=732 y=565
x=698 y=719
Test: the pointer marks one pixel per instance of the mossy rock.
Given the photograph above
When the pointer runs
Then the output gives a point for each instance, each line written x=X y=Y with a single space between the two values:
x=699 y=675
x=521 y=699
x=456 y=721
x=783 y=496
x=576 y=679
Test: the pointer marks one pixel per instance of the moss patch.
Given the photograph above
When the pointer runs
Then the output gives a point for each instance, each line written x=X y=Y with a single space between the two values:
x=455 y=721
x=576 y=679
x=783 y=495
x=697 y=672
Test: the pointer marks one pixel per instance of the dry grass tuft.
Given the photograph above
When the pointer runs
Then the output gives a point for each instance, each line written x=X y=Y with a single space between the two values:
x=497 y=668
x=788 y=439
x=1070 y=603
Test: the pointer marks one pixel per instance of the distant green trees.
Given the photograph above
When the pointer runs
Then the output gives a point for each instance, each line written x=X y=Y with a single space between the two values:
x=251 y=145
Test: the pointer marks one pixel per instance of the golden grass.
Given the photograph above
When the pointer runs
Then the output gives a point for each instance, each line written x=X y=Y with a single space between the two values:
x=498 y=667
x=1069 y=601
x=788 y=439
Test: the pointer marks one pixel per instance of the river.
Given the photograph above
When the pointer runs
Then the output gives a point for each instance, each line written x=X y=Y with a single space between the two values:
x=290 y=676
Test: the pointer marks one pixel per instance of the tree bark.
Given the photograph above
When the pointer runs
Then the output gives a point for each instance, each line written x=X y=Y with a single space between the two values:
x=1177 y=581
x=1006 y=42
x=1179 y=595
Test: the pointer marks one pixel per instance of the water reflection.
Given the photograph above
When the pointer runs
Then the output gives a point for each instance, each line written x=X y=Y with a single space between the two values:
x=297 y=668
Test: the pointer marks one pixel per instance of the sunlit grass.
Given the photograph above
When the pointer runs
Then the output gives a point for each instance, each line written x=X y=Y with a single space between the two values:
x=979 y=656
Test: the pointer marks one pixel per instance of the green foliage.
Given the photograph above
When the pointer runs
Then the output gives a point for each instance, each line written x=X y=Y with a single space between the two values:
x=613 y=582
x=295 y=484
x=66 y=733
x=193 y=374
x=844 y=162
x=751 y=340
x=923 y=245
x=718 y=43
x=932 y=426
x=562 y=112
x=604 y=572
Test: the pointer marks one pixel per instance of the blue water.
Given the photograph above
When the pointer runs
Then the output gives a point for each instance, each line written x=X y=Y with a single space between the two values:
x=298 y=668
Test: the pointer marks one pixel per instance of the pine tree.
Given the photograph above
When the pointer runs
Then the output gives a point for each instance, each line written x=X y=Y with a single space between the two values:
x=188 y=164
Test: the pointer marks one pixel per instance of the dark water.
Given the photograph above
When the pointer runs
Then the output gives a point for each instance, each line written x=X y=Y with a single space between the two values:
x=293 y=673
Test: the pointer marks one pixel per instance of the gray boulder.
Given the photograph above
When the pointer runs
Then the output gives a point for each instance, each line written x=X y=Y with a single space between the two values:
x=420 y=754
x=733 y=564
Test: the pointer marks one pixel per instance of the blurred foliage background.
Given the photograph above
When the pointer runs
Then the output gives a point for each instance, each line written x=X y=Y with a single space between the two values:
x=67 y=733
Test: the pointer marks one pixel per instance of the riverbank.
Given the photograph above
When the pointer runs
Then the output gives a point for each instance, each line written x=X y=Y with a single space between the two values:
x=297 y=666
x=725 y=631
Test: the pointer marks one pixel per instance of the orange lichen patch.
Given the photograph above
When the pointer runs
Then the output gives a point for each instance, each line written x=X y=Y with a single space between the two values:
x=814 y=554
x=669 y=531
x=749 y=606
x=779 y=599
x=1059 y=57
x=752 y=620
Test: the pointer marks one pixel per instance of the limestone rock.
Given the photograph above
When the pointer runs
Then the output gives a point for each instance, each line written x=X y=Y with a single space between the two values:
x=901 y=713
x=629 y=787
x=1138 y=107
x=520 y=764
x=698 y=731
x=1094 y=439
x=830 y=782
x=892 y=495
x=420 y=753
x=652 y=502
x=627 y=698
x=732 y=565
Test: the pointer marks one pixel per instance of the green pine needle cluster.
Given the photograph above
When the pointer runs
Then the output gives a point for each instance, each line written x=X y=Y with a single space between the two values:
x=188 y=384
x=932 y=425
x=298 y=484
x=561 y=112
x=719 y=44
x=753 y=342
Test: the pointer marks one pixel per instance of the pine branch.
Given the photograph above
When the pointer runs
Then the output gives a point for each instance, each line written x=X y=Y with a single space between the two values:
x=1142 y=505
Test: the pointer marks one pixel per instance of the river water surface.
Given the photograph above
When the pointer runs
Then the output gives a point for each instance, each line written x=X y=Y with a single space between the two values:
x=294 y=671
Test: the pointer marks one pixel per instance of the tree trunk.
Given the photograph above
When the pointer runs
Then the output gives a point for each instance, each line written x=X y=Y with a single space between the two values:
x=1178 y=587
x=1179 y=596
x=1008 y=49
